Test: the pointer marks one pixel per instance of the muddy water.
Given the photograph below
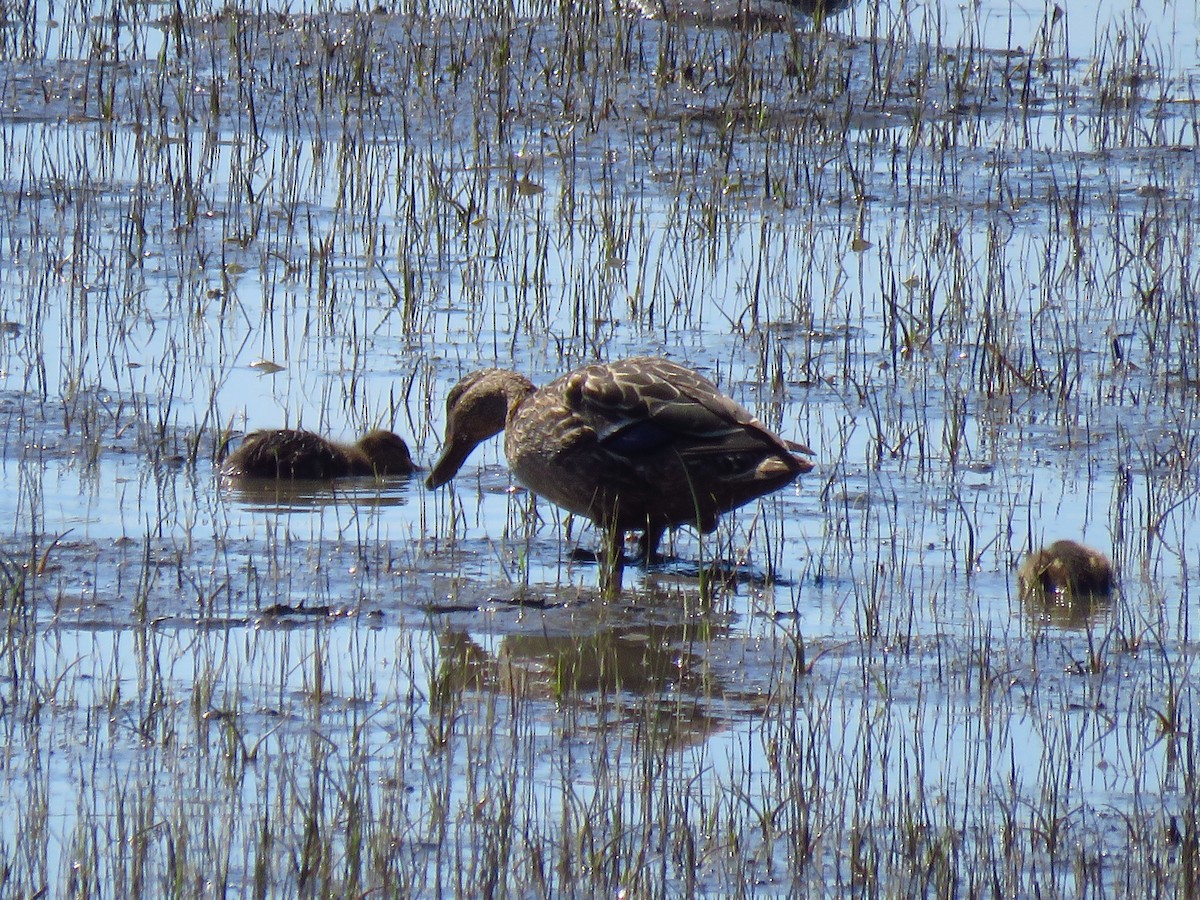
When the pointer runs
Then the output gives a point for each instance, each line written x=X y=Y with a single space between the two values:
x=955 y=257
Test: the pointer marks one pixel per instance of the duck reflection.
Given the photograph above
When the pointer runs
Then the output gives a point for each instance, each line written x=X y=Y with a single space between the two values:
x=302 y=496
x=647 y=668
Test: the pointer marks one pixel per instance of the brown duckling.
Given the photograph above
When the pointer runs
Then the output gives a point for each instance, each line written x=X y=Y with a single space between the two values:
x=285 y=453
x=640 y=444
x=1066 y=569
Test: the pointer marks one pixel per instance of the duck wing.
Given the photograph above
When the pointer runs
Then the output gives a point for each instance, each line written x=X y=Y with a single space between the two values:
x=640 y=406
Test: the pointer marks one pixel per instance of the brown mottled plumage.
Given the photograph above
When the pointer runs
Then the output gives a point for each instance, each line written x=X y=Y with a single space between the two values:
x=288 y=453
x=1068 y=569
x=639 y=444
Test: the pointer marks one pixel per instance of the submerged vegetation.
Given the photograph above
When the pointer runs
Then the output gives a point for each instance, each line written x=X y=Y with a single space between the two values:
x=960 y=266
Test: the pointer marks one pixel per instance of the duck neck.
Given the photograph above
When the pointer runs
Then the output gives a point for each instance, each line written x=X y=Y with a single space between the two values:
x=517 y=389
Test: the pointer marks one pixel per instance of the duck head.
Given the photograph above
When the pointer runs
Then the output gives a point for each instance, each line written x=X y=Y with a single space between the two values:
x=477 y=408
x=387 y=452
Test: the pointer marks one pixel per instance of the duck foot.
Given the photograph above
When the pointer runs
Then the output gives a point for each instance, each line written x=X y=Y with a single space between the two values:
x=583 y=555
x=726 y=572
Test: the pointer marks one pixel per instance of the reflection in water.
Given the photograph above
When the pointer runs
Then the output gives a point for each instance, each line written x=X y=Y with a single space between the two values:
x=298 y=496
x=1076 y=612
x=643 y=670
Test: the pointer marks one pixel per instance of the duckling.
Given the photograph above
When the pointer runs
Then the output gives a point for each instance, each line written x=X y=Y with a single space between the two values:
x=641 y=444
x=1066 y=569
x=289 y=453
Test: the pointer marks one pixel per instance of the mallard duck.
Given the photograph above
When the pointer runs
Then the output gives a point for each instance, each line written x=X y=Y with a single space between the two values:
x=289 y=453
x=1066 y=569
x=640 y=444
x=745 y=13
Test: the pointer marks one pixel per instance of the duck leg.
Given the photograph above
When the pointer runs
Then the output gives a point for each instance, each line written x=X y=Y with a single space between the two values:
x=648 y=545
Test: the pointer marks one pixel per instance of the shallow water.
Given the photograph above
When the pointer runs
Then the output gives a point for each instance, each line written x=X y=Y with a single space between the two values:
x=955 y=256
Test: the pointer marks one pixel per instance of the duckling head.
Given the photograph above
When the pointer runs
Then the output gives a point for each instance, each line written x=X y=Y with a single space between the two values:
x=387 y=452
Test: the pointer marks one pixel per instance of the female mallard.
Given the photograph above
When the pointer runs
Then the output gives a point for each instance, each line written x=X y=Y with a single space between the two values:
x=1066 y=569
x=288 y=453
x=640 y=444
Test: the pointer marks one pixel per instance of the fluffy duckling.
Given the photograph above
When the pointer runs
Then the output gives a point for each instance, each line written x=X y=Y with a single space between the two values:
x=1066 y=569
x=289 y=453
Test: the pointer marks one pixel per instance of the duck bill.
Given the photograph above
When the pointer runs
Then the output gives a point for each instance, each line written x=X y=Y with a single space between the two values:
x=805 y=465
x=800 y=448
x=448 y=464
